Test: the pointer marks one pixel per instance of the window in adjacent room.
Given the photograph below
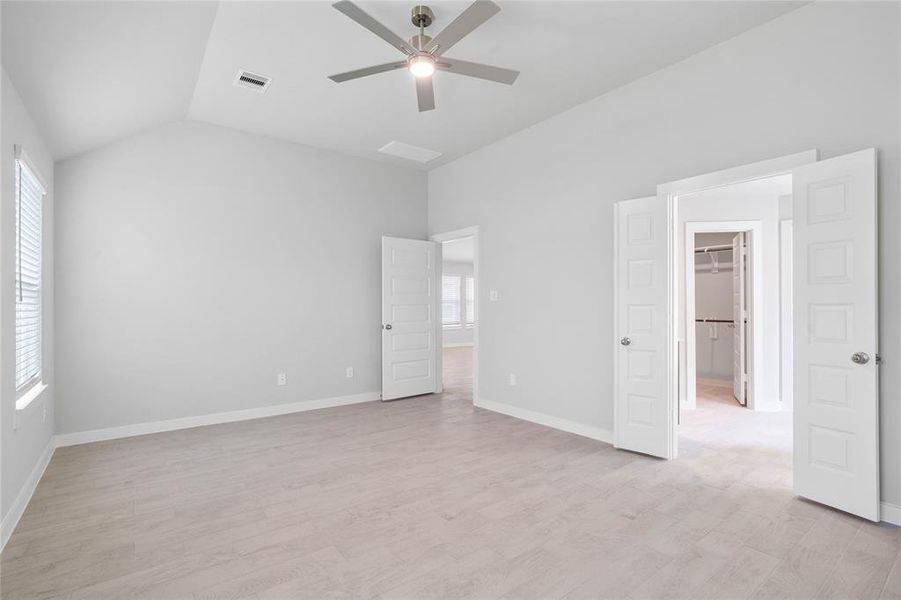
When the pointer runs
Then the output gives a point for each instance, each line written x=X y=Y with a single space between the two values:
x=29 y=200
x=450 y=301
x=457 y=301
x=470 y=308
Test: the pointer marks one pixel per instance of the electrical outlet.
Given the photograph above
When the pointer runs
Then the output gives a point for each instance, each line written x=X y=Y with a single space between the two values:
x=512 y=378
x=282 y=379
x=349 y=372
x=492 y=295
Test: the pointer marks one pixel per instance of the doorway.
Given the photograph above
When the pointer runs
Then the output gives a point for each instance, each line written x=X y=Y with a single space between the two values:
x=721 y=290
x=835 y=449
x=731 y=402
x=458 y=308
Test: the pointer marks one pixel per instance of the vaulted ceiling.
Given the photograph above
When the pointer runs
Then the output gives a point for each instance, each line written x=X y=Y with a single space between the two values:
x=95 y=72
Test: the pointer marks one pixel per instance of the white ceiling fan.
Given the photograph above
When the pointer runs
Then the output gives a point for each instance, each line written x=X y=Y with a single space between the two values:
x=425 y=54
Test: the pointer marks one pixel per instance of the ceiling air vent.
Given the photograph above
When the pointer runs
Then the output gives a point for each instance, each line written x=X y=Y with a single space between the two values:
x=252 y=81
x=409 y=151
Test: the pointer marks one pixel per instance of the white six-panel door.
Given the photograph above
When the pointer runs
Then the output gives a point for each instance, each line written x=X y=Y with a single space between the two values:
x=739 y=314
x=409 y=317
x=643 y=420
x=836 y=419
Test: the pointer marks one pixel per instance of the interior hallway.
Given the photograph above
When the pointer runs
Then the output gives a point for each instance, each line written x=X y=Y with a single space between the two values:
x=430 y=498
x=456 y=364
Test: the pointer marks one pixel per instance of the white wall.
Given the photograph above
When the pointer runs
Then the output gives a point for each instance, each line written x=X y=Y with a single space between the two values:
x=825 y=76
x=23 y=447
x=455 y=336
x=194 y=263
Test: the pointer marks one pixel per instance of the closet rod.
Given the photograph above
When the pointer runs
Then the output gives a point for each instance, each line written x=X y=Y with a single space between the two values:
x=714 y=321
x=713 y=249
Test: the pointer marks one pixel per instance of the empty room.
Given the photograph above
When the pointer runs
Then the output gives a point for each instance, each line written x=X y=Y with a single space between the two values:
x=493 y=299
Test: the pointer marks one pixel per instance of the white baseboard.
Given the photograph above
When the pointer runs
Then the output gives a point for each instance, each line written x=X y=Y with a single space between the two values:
x=112 y=433
x=456 y=344
x=595 y=433
x=8 y=525
x=891 y=513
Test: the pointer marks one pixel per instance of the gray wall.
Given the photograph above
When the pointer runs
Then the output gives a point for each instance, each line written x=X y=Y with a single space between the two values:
x=21 y=448
x=194 y=263
x=825 y=76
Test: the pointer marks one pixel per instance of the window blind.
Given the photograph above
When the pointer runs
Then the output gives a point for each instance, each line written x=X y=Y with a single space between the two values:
x=470 y=301
x=29 y=198
x=450 y=300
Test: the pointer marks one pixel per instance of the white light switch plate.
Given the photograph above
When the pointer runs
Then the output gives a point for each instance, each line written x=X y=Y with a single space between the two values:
x=492 y=295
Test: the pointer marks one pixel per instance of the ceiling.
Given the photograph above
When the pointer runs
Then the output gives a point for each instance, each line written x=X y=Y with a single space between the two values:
x=462 y=251
x=94 y=72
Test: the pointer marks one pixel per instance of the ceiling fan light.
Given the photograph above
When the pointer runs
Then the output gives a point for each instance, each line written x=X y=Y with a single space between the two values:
x=422 y=66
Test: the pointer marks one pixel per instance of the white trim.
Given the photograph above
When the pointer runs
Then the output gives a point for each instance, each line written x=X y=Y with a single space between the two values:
x=15 y=512
x=891 y=513
x=27 y=403
x=456 y=344
x=786 y=317
x=23 y=157
x=750 y=172
x=668 y=192
x=456 y=234
x=30 y=395
x=113 y=433
x=449 y=236
x=595 y=433
x=755 y=398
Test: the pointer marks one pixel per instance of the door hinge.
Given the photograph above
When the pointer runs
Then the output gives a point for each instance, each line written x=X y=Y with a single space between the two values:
x=878 y=359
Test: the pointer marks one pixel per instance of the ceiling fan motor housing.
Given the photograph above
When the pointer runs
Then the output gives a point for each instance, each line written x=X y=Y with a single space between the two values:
x=422 y=15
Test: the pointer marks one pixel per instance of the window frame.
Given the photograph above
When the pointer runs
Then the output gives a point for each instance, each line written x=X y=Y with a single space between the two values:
x=30 y=389
x=458 y=324
x=464 y=322
x=469 y=316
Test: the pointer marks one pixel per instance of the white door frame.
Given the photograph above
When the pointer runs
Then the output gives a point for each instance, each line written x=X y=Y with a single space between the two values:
x=786 y=317
x=670 y=192
x=450 y=236
x=755 y=315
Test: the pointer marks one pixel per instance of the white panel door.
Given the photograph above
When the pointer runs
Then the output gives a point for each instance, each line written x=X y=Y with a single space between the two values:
x=836 y=430
x=739 y=313
x=409 y=317
x=642 y=421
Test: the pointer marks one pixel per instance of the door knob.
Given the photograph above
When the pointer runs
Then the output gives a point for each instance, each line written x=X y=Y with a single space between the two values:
x=625 y=341
x=860 y=358
x=388 y=326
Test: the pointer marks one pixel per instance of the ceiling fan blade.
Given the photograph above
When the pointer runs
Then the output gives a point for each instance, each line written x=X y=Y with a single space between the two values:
x=471 y=69
x=363 y=18
x=341 y=77
x=477 y=13
x=425 y=93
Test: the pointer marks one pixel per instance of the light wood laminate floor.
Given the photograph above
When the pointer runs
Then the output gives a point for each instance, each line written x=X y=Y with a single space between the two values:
x=430 y=498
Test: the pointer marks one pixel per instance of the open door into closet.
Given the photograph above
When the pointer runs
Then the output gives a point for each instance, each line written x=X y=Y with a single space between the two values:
x=739 y=319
